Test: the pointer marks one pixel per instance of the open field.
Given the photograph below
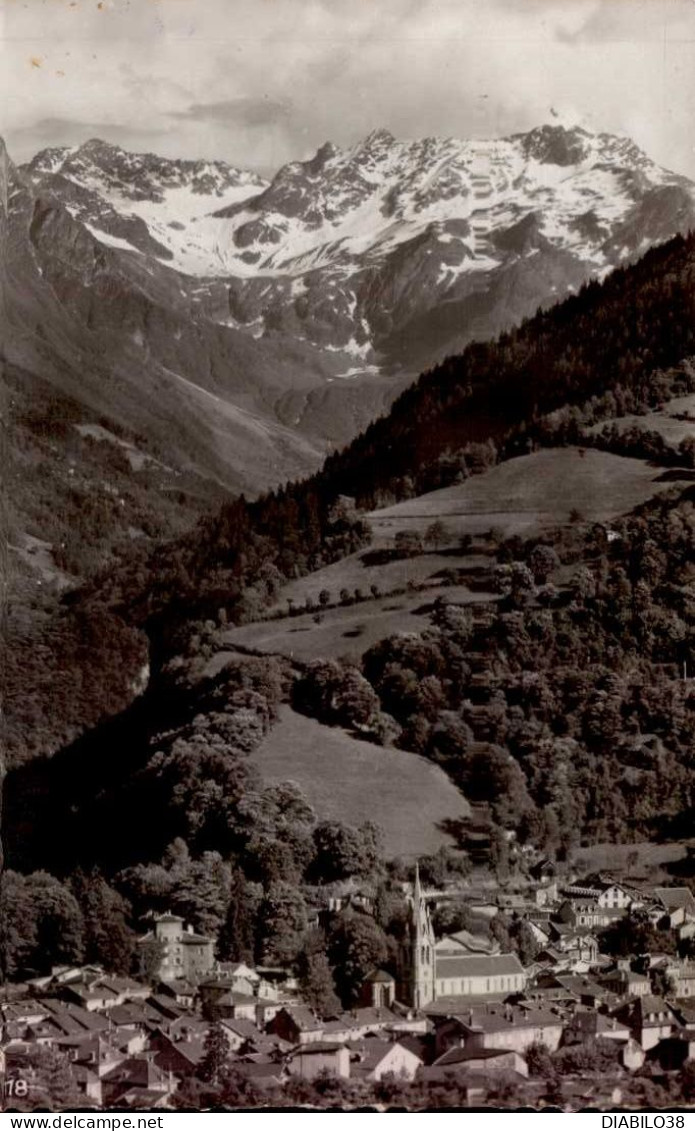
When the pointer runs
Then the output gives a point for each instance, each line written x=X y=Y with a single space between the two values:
x=358 y=571
x=346 y=632
x=521 y=496
x=530 y=494
x=352 y=781
x=614 y=857
x=665 y=422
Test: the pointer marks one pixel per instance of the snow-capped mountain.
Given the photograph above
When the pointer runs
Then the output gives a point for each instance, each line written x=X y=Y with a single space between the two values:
x=136 y=200
x=386 y=255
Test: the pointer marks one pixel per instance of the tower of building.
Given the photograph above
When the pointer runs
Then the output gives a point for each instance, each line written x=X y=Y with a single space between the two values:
x=417 y=980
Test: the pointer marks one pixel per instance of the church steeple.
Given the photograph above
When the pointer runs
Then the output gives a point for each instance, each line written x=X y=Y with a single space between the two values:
x=417 y=893
x=422 y=948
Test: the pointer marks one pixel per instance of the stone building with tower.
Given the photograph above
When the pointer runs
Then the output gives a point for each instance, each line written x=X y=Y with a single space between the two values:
x=431 y=971
x=184 y=954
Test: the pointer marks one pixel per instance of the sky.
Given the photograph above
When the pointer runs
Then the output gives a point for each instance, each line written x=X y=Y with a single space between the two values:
x=258 y=83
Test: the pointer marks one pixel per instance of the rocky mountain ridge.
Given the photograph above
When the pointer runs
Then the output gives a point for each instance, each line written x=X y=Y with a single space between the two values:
x=388 y=254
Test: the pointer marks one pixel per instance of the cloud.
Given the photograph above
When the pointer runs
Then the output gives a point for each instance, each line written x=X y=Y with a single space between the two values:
x=262 y=82
x=245 y=111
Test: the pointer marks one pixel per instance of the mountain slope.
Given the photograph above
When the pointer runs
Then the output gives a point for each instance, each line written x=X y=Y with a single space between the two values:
x=388 y=254
x=111 y=390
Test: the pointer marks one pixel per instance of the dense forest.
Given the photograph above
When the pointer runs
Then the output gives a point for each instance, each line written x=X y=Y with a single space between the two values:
x=564 y=707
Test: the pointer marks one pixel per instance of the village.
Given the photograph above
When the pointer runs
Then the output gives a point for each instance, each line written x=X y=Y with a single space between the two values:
x=574 y=1027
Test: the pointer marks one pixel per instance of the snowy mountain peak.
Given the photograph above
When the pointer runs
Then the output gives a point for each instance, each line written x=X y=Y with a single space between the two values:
x=387 y=245
x=105 y=167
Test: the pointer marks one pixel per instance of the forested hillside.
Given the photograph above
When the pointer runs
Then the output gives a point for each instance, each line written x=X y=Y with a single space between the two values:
x=493 y=400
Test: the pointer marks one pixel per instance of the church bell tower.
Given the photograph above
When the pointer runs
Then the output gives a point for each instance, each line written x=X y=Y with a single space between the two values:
x=417 y=980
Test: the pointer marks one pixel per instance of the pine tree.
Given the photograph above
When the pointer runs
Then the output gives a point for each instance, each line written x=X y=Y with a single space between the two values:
x=215 y=1060
x=235 y=942
x=316 y=977
x=108 y=940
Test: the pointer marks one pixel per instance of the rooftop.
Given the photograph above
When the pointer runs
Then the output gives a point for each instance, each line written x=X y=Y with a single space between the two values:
x=478 y=966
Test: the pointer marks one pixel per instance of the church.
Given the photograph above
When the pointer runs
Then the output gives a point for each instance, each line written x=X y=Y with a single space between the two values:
x=429 y=971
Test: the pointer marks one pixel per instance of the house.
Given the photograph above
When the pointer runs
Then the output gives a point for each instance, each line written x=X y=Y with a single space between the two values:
x=162 y=1005
x=378 y=989
x=219 y=1001
x=61 y=1023
x=540 y=927
x=315 y=1058
x=499 y=1027
x=576 y=943
x=595 y=901
x=181 y=1029
x=685 y=1015
x=146 y=1099
x=237 y=1006
x=263 y=1074
x=97 y=996
x=63 y=975
x=126 y=988
x=178 y=1056
x=649 y=1018
x=359 y=1023
x=276 y=983
x=182 y=992
x=548 y=957
x=632 y=1056
x=372 y=1058
x=88 y=1083
x=478 y=975
x=240 y=1033
x=678 y=904
x=241 y=979
x=568 y=989
x=685 y=980
x=296 y=1024
x=627 y=983
x=587 y=1024
x=544 y=871
x=135 y=1072
x=98 y=1053
x=486 y=1062
x=184 y=953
